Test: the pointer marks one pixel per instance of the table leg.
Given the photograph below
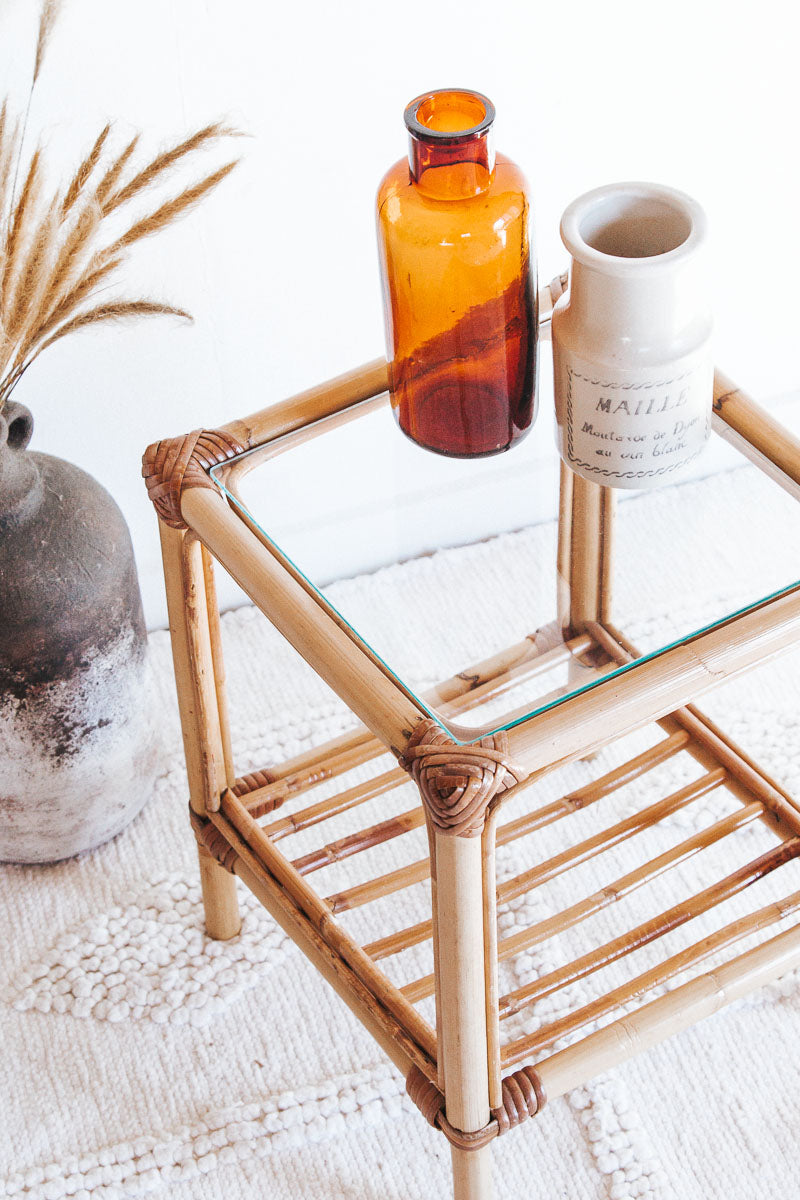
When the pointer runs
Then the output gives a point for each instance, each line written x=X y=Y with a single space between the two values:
x=472 y=1173
x=220 y=904
x=185 y=576
x=462 y=1005
x=585 y=527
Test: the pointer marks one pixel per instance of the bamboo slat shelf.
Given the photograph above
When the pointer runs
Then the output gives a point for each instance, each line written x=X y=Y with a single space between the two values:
x=414 y=935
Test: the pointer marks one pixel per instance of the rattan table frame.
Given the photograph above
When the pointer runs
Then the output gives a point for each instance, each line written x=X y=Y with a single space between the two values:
x=457 y=1073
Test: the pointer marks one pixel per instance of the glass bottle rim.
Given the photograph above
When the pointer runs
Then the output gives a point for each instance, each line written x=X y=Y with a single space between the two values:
x=448 y=137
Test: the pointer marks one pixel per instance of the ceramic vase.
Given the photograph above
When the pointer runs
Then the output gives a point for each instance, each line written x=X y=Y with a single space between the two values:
x=79 y=735
x=633 y=372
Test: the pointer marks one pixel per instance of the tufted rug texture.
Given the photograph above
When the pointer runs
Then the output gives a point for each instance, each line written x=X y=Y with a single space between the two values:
x=141 y=1059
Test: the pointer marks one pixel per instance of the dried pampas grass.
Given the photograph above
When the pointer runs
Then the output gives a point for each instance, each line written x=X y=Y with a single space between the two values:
x=47 y=19
x=60 y=247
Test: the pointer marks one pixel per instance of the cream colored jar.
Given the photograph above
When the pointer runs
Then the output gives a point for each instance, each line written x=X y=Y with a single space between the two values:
x=631 y=337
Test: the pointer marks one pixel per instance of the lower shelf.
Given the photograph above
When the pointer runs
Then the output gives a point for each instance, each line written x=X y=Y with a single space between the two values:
x=637 y=892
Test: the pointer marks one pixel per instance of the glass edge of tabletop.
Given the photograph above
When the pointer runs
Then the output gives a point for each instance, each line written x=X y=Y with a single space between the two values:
x=460 y=735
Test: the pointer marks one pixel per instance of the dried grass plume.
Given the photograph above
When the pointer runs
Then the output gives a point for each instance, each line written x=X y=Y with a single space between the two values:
x=60 y=247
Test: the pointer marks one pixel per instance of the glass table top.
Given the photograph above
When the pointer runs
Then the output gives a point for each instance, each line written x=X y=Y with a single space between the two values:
x=420 y=554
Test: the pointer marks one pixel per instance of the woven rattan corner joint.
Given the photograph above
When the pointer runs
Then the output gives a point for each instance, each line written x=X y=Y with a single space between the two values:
x=458 y=1068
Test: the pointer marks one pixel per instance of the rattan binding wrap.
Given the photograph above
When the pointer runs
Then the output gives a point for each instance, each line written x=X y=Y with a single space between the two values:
x=173 y=464
x=209 y=838
x=427 y=1097
x=523 y=1097
x=430 y=1102
x=252 y=782
x=457 y=782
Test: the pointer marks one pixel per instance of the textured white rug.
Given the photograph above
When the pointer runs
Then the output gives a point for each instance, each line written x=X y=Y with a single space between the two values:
x=141 y=1059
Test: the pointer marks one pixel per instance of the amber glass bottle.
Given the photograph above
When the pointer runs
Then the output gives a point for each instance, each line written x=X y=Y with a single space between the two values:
x=458 y=282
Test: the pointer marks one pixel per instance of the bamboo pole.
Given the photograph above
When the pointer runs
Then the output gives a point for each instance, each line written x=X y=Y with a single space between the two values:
x=323 y=810
x=656 y=976
x=649 y=931
x=473 y=685
x=414 y=873
x=381 y=885
x=364 y=686
x=198 y=706
x=564 y=551
x=606 y=839
x=756 y=434
x=580 y=798
x=597 y=789
x=524 y=939
x=388 y=1032
x=307 y=770
x=585 y=553
x=400 y=940
x=534 y=935
x=669 y=1014
x=191 y=656
x=319 y=913
x=585 y=722
x=586 y=519
x=218 y=664
x=202 y=677
x=220 y=903
x=462 y=1035
x=361 y=840
x=472 y=1173
x=747 y=773
x=581 y=852
x=608 y=502
x=431 y=832
x=317 y=402
x=231 y=474
x=490 y=960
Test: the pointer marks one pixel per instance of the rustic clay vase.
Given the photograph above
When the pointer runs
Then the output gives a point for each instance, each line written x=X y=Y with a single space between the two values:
x=78 y=739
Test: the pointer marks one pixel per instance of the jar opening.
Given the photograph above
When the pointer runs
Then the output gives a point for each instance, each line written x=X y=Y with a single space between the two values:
x=635 y=226
x=449 y=115
x=19 y=433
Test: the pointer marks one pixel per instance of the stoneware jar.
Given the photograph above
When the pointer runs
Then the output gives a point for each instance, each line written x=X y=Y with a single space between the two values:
x=78 y=737
x=631 y=337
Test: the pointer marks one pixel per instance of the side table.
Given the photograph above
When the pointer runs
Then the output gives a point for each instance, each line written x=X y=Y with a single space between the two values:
x=575 y=684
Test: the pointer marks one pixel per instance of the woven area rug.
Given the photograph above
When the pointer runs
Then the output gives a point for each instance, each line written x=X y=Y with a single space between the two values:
x=141 y=1059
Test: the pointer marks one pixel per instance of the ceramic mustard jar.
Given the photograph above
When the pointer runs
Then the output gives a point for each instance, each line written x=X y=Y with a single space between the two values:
x=633 y=372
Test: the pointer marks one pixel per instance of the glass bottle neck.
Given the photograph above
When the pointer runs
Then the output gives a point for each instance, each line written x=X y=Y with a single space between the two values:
x=450 y=146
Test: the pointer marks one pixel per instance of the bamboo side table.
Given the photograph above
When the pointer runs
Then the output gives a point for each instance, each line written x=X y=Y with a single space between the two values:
x=466 y=1080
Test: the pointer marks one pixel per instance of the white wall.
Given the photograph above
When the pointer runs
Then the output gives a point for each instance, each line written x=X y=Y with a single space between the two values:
x=279 y=268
